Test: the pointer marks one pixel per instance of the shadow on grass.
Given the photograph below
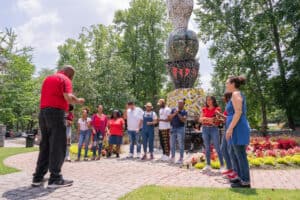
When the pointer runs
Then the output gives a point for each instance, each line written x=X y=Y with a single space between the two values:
x=26 y=193
x=245 y=191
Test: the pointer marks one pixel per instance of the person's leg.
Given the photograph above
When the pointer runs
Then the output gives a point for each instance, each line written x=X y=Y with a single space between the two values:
x=225 y=151
x=131 y=136
x=161 y=140
x=166 y=138
x=68 y=134
x=241 y=154
x=206 y=140
x=95 y=143
x=145 y=138
x=151 y=141
x=173 y=142
x=43 y=158
x=139 y=138
x=216 y=140
x=234 y=160
x=180 y=139
x=87 y=142
x=58 y=141
x=100 y=145
x=80 y=143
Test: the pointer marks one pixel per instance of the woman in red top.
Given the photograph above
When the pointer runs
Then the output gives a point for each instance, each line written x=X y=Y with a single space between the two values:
x=210 y=130
x=115 y=126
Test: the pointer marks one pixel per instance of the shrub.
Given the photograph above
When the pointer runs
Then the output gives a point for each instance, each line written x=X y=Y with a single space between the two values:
x=282 y=161
x=269 y=161
x=295 y=159
x=256 y=162
x=199 y=165
x=74 y=150
x=215 y=165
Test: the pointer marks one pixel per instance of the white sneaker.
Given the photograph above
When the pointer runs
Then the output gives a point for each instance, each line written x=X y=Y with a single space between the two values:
x=130 y=155
x=222 y=169
x=207 y=168
x=138 y=155
x=165 y=158
x=179 y=162
x=172 y=160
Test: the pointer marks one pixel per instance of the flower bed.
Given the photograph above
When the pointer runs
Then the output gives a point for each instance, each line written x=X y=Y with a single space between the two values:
x=263 y=152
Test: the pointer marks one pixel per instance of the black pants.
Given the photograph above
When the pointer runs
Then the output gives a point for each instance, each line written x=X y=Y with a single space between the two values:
x=53 y=144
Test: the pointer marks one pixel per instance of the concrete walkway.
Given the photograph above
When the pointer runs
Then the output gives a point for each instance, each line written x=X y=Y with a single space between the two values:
x=112 y=178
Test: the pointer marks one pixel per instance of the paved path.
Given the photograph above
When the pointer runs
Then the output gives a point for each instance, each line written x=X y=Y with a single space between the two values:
x=112 y=178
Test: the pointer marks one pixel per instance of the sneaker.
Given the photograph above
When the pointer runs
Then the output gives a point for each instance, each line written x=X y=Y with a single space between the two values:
x=164 y=158
x=77 y=160
x=240 y=184
x=59 y=184
x=130 y=156
x=117 y=155
x=179 y=162
x=207 y=168
x=138 y=156
x=86 y=159
x=172 y=160
x=227 y=172
x=37 y=183
x=222 y=169
x=144 y=157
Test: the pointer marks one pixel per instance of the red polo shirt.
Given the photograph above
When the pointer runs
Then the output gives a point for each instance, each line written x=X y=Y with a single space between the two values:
x=53 y=89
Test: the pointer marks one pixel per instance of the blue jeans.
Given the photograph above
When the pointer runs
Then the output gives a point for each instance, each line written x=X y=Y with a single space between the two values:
x=134 y=138
x=225 y=152
x=177 y=133
x=84 y=137
x=97 y=141
x=148 y=137
x=208 y=134
x=240 y=162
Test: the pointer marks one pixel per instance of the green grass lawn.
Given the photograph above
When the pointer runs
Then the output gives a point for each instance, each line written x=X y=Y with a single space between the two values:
x=185 y=193
x=10 y=151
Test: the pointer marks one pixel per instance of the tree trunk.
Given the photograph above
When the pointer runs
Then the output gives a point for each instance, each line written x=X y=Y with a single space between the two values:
x=282 y=69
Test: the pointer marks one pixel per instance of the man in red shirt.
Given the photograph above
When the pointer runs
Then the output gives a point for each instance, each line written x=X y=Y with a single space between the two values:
x=56 y=95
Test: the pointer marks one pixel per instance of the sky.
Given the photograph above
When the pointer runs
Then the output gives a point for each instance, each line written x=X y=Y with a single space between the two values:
x=45 y=24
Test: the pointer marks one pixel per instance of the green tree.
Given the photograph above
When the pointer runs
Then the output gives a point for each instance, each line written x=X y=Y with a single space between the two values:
x=144 y=31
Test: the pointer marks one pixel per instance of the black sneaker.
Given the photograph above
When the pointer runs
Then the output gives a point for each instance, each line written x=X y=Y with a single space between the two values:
x=240 y=185
x=59 y=184
x=118 y=155
x=235 y=180
x=37 y=183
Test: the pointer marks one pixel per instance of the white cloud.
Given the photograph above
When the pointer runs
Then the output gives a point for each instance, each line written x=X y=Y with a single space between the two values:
x=30 y=7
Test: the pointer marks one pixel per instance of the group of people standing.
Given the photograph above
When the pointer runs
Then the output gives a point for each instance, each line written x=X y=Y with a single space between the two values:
x=57 y=95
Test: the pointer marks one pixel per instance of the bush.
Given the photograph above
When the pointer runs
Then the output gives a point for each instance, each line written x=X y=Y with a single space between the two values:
x=199 y=165
x=215 y=165
x=282 y=161
x=295 y=159
x=256 y=162
x=74 y=150
x=269 y=161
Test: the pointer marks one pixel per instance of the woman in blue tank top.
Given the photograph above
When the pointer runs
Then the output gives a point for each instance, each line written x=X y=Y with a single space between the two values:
x=238 y=131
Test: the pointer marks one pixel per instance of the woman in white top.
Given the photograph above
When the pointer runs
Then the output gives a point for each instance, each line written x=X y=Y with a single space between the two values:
x=84 y=133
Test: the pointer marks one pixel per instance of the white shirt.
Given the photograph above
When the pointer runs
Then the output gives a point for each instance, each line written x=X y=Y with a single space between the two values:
x=84 y=123
x=133 y=118
x=163 y=114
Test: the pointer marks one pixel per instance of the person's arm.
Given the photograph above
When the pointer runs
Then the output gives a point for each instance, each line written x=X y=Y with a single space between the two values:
x=140 y=125
x=72 y=99
x=237 y=101
x=172 y=115
x=182 y=118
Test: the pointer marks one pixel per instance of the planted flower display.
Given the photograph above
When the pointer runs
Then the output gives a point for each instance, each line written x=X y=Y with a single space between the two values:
x=264 y=152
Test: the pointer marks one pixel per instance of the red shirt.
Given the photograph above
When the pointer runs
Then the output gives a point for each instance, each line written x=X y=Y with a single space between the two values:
x=116 y=126
x=99 y=123
x=70 y=116
x=210 y=113
x=53 y=89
